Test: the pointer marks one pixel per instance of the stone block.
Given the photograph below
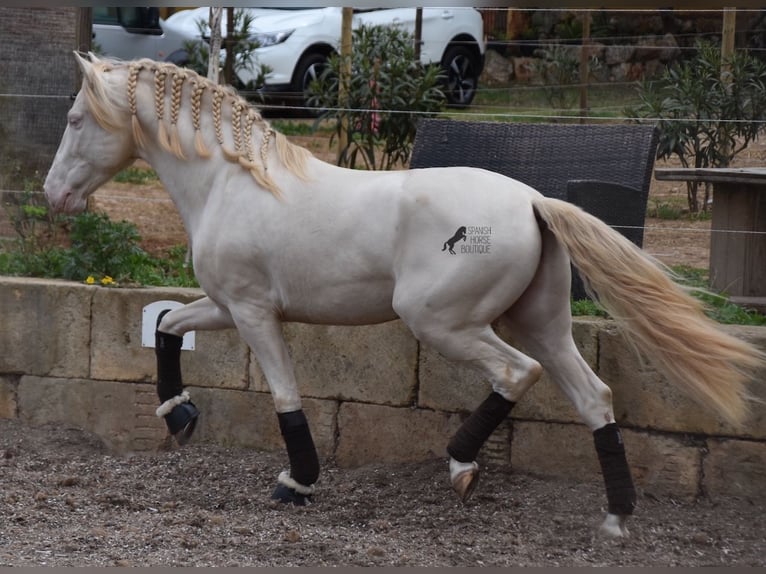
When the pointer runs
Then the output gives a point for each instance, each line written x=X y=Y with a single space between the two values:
x=661 y=465
x=551 y=449
x=525 y=69
x=375 y=363
x=644 y=398
x=107 y=408
x=45 y=327
x=498 y=70
x=219 y=359
x=664 y=465
x=618 y=54
x=735 y=468
x=448 y=385
x=248 y=419
x=8 y=387
x=374 y=433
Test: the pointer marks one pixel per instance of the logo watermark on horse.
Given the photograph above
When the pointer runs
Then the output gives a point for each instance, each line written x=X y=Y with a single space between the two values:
x=476 y=240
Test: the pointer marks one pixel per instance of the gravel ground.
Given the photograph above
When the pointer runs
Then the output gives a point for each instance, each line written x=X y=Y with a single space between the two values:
x=65 y=500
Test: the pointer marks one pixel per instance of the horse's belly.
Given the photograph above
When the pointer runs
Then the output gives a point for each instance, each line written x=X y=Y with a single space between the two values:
x=361 y=303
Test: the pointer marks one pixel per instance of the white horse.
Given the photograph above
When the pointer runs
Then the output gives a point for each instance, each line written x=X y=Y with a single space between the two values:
x=279 y=235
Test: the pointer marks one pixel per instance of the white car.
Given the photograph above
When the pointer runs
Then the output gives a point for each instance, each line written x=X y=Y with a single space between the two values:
x=132 y=33
x=296 y=43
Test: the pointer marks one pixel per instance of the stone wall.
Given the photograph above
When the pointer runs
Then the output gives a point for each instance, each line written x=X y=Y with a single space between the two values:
x=72 y=354
x=646 y=59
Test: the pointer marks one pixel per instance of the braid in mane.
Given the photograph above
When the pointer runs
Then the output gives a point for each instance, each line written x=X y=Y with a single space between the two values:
x=138 y=134
x=218 y=95
x=196 y=101
x=105 y=106
x=179 y=77
x=160 y=73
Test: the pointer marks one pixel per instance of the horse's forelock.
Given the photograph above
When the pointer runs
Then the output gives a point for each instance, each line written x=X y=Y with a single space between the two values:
x=105 y=99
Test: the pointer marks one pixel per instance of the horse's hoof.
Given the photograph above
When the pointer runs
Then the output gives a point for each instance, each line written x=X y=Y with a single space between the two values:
x=464 y=481
x=182 y=421
x=287 y=495
x=614 y=526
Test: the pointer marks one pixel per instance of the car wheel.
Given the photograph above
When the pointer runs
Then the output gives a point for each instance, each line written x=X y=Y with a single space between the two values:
x=309 y=68
x=461 y=76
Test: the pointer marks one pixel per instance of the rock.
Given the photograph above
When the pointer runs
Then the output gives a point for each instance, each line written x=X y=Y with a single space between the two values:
x=498 y=70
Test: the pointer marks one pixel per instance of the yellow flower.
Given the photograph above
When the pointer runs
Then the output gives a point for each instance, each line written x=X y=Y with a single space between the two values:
x=90 y=280
x=107 y=280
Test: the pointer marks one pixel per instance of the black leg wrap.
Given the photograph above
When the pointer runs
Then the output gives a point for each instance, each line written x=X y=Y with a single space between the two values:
x=167 y=348
x=181 y=418
x=475 y=431
x=620 y=492
x=304 y=462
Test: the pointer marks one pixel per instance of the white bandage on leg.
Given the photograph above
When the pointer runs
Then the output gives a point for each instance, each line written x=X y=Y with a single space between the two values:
x=284 y=478
x=170 y=404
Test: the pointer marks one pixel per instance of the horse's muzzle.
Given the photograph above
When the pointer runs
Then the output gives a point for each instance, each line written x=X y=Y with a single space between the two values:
x=62 y=200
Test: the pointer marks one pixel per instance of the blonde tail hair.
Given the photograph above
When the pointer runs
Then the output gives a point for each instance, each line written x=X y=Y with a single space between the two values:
x=660 y=317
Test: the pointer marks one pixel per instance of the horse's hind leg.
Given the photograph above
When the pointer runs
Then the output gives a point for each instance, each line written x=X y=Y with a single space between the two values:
x=176 y=407
x=510 y=372
x=541 y=323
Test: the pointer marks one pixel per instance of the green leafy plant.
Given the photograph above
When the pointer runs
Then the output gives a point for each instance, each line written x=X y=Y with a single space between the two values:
x=705 y=117
x=102 y=247
x=386 y=93
x=559 y=68
x=99 y=251
x=36 y=228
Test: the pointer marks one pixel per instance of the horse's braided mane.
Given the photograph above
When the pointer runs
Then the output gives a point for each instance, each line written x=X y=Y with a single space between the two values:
x=244 y=117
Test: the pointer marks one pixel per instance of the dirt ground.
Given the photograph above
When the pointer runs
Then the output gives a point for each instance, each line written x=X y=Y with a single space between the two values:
x=65 y=500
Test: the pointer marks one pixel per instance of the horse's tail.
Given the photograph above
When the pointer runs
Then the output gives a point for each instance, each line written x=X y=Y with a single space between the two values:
x=663 y=321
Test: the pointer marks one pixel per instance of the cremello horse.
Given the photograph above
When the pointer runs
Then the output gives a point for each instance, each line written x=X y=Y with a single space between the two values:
x=279 y=235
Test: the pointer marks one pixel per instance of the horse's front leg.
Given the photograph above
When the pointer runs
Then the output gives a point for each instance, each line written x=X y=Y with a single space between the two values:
x=263 y=332
x=176 y=408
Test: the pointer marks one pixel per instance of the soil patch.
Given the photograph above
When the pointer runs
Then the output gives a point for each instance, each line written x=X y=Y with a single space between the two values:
x=67 y=501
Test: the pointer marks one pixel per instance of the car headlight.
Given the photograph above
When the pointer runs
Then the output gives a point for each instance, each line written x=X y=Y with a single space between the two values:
x=271 y=38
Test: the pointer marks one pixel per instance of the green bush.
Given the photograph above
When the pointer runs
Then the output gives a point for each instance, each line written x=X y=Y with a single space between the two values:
x=99 y=251
x=559 y=68
x=705 y=117
x=388 y=91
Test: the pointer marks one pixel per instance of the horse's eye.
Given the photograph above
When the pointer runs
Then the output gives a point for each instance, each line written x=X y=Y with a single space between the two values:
x=75 y=120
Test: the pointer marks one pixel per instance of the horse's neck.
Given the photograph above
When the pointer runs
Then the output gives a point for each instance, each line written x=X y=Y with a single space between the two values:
x=188 y=181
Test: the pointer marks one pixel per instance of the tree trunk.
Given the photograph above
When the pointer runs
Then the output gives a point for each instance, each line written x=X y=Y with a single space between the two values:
x=214 y=59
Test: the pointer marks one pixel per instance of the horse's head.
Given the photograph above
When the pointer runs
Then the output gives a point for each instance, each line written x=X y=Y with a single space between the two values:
x=97 y=142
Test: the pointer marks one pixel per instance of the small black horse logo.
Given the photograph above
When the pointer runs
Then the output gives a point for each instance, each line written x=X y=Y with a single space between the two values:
x=459 y=234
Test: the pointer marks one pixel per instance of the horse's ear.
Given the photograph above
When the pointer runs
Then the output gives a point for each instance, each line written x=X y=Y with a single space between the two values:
x=86 y=65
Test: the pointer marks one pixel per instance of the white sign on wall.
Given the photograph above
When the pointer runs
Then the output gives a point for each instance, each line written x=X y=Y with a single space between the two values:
x=149 y=324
